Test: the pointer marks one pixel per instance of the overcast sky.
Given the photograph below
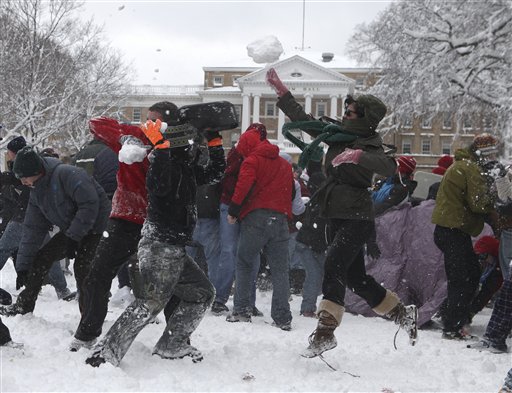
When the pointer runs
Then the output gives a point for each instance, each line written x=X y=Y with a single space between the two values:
x=168 y=42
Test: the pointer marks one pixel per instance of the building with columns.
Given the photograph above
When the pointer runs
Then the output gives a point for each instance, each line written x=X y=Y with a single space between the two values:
x=320 y=82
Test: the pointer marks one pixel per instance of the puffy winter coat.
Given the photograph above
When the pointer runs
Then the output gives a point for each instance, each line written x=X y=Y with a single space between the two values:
x=233 y=164
x=265 y=180
x=67 y=197
x=345 y=194
x=130 y=198
x=463 y=199
x=172 y=179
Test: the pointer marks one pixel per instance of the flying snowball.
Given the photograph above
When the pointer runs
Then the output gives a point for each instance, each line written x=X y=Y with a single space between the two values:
x=265 y=50
x=157 y=70
x=121 y=8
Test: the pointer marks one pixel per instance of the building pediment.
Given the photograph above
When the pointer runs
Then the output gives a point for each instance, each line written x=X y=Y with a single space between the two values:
x=297 y=70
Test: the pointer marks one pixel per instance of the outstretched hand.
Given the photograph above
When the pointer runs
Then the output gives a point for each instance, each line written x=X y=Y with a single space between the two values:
x=152 y=129
x=348 y=156
x=276 y=83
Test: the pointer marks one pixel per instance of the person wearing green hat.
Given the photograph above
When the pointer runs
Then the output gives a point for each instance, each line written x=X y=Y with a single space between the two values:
x=354 y=155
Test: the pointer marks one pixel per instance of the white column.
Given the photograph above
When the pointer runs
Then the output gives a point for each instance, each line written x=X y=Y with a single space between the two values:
x=256 y=108
x=280 y=123
x=334 y=106
x=307 y=105
x=245 y=113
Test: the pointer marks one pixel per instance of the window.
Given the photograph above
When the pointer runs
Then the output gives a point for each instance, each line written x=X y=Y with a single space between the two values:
x=359 y=83
x=447 y=120
x=446 y=147
x=425 y=146
x=467 y=122
x=426 y=122
x=238 y=110
x=136 y=115
x=487 y=123
x=270 y=109
x=235 y=79
x=218 y=80
x=321 y=109
x=406 y=146
x=407 y=122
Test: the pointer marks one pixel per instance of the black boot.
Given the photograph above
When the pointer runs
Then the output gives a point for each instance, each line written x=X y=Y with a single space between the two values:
x=322 y=339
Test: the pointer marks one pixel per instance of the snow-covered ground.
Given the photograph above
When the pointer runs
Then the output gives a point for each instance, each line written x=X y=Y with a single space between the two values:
x=243 y=357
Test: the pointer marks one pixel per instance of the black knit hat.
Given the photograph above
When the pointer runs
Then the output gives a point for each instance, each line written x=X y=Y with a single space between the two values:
x=27 y=163
x=16 y=144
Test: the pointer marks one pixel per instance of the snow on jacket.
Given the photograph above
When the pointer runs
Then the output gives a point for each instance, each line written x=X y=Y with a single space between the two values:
x=345 y=194
x=67 y=197
x=410 y=264
x=172 y=180
x=130 y=198
x=463 y=199
x=265 y=180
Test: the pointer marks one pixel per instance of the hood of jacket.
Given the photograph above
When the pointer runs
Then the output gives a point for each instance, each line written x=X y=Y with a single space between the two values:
x=49 y=165
x=250 y=143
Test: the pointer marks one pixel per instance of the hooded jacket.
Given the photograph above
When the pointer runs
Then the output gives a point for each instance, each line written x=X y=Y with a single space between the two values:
x=463 y=199
x=130 y=197
x=65 y=197
x=265 y=180
x=346 y=193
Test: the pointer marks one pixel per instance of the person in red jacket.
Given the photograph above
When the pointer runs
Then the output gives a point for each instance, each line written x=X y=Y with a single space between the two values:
x=129 y=205
x=262 y=202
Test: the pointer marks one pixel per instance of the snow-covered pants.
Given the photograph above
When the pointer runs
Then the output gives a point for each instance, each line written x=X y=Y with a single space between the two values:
x=167 y=271
x=462 y=273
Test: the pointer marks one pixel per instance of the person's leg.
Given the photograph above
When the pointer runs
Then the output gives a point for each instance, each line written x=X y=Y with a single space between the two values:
x=58 y=280
x=314 y=266
x=276 y=250
x=111 y=253
x=505 y=252
x=228 y=237
x=252 y=238
x=500 y=323
x=462 y=273
x=5 y=335
x=10 y=240
x=123 y=276
x=208 y=236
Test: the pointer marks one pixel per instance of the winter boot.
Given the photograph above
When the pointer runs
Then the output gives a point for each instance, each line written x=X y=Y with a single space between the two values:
x=407 y=318
x=182 y=323
x=323 y=339
x=12 y=310
x=76 y=344
x=96 y=359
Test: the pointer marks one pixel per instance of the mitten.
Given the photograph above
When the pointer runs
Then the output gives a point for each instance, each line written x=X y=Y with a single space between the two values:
x=276 y=83
x=152 y=129
x=213 y=138
x=348 y=156
x=72 y=248
x=21 y=278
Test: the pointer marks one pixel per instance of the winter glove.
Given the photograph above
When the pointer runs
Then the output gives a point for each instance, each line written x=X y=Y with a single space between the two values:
x=21 y=279
x=276 y=84
x=153 y=131
x=504 y=188
x=72 y=248
x=348 y=156
x=213 y=138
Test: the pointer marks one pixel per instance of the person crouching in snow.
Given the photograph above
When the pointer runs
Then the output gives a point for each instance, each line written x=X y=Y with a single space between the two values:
x=166 y=269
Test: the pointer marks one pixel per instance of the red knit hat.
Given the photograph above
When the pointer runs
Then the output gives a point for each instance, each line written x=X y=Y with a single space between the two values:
x=439 y=170
x=406 y=165
x=445 y=161
x=487 y=245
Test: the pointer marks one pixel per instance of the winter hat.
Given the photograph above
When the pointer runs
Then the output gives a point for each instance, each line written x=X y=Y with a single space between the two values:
x=17 y=144
x=485 y=144
x=374 y=109
x=406 y=165
x=49 y=152
x=487 y=245
x=445 y=161
x=255 y=134
x=439 y=170
x=260 y=128
x=27 y=163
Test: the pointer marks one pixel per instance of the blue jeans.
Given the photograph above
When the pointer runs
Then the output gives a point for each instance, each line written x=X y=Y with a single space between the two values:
x=313 y=263
x=9 y=243
x=295 y=261
x=505 y=252
x=267 y=230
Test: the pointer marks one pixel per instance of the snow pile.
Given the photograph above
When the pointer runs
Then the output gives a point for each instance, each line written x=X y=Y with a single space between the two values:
x=265 y=50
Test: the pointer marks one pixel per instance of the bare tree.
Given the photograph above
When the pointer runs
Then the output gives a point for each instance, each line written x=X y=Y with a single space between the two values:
x=441 y=56
x=56 y=72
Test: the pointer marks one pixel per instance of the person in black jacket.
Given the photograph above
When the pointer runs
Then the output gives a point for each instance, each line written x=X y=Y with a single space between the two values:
x=355 y=154
x=170 y=277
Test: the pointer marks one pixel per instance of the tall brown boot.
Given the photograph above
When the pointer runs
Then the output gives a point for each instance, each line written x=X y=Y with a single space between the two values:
x=323 y=339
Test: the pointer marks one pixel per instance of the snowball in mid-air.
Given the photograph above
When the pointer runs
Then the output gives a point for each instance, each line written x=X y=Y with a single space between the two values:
x=265 y=50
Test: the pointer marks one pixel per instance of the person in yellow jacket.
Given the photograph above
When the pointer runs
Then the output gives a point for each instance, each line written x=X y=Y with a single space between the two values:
x=463 y=203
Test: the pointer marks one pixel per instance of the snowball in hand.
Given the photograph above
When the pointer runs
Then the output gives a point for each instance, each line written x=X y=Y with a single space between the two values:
x=265 y=50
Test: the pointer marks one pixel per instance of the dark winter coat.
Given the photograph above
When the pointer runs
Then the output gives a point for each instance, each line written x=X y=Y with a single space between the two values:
x=208 y=201
x=265 y=180
x=463 y=199
x=228 y=184
x=171 y=183
x=101 y=162
x=130 y=198
x=410 y=264
x=345 y=194
x=67 y=197
x=14 y=197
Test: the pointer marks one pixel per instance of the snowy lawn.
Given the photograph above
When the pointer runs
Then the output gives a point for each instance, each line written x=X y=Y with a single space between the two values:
x=243 y=357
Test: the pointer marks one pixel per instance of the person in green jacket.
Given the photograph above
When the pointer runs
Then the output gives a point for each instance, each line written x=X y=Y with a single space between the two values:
x=463 y=203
